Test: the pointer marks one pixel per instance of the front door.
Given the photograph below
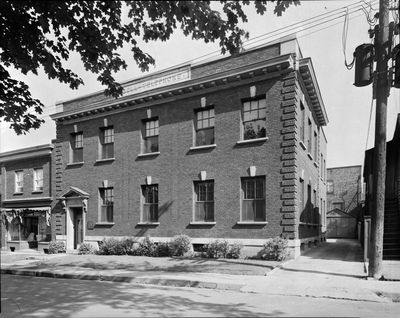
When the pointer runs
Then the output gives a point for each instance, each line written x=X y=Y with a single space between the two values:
x=78 y=227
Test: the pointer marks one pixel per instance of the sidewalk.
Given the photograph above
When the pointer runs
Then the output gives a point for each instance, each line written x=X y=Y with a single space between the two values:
x=333 y=270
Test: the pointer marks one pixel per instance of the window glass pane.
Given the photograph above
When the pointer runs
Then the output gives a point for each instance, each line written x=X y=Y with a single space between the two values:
x=200 y=212
x=247 y=210
x=246 y=106
x=209 y=217
x=212 y=121
x=151 y=144
x=260 y=188
x=254 y=105
x=249 y=194
x=259 y=210
x=210 y=191
x=262 y=103
x=254 y=129
x=246 y=116
x=205 y=137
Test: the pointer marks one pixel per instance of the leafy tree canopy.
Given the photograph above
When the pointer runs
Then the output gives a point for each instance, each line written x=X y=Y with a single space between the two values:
x=42 y=34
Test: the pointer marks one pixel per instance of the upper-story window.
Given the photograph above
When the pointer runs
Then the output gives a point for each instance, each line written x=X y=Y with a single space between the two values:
x=150 y=136
x=38 y=179
x=254 y=119
x=205 y=127
x=329 y=186
x=253 y=199
x=315 y=146
x=309 y=137
x=302 y=122
x=107 y=142
x=19 y=181
x=106 y=205
x=76 y=147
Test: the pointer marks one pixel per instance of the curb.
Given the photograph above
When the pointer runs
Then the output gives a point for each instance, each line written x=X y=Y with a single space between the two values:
x=278 y=267
x=124 y=279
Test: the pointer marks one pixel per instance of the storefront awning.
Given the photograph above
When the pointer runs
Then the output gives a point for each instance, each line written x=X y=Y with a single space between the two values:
x=8 y=214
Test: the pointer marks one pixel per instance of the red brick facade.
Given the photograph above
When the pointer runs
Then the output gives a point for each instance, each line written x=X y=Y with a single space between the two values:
x=224 y=84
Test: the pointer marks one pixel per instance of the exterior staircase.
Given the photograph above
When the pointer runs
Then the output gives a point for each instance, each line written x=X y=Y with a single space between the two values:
x=391 y=234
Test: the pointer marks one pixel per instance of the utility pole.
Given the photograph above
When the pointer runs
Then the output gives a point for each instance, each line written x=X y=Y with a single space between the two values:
x=382 y=49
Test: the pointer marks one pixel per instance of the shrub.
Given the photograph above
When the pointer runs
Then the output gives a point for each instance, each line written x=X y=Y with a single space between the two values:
x=216 y=249
x=86 y=248
x=275 y=249
x=180 y=245
x=146 y=247
x=57 y=247
x=162 y=249
x=112 y=246
x=234 y=250
x=129 y=246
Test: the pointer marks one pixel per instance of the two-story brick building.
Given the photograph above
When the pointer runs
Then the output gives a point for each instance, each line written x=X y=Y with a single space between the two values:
x=345 y=198
x=26 y=197
x=231 y=148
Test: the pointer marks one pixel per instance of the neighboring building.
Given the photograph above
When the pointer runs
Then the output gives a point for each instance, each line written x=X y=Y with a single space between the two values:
x=345 y=197
x=231 y=148
x=26 y=197
x=391 y=234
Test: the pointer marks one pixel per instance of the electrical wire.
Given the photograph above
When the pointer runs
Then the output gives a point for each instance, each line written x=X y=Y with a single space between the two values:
x=369 y=121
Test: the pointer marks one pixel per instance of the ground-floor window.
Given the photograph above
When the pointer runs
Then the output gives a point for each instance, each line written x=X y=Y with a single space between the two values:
x=150 y=203
x=29 y=228
x=204 y=205
x=253 y=199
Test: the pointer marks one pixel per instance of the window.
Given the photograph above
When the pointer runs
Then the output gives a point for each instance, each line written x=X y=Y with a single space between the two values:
x=315 y=146
x=205 y=127
x=309 y=140
x=24 y=229
x=150 y=204
x=107 y=205
x=77 y=147
x=253 y=199
x=107 y=142
x=302 y=204
x=329 y=186
x=204 y=205
x=150 y=136
x=338 y=205
x=302 y=120
x=254 y=119
x=38 y=179
x=19 y=181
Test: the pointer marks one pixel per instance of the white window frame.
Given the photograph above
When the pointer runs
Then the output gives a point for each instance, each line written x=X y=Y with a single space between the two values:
x=38 y=179
x=19 y=181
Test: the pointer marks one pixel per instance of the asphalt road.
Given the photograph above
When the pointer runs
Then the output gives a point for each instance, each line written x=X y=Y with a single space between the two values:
x=23 y=296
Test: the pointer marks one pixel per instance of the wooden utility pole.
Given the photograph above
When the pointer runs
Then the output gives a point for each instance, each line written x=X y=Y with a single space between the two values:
x=382 y=48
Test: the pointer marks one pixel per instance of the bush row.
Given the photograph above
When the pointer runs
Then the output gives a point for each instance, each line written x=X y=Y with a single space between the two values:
x=178 y=246
x=274 y=249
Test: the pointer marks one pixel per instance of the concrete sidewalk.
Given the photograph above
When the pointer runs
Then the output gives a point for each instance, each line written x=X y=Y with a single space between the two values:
x=333 y=270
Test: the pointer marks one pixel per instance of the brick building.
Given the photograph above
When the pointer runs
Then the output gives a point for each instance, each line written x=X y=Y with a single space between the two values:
x=26 y=197
x=344 y=197
x=231 y=148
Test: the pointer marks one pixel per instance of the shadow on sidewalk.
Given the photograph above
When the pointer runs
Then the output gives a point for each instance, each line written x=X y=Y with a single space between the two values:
x=320 y=272
x=58 y=297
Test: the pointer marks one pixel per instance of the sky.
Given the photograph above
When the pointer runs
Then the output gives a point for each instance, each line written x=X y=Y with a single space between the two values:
x=348 y=107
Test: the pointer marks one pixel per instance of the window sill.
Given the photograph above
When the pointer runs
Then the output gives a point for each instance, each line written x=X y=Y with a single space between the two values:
x=203 y=147
x=302 y=145
x=249 y=141
x=104 y=224
x=37 y=191
x=308 y=224
x=203 y=223
x=72 y=164
x=252 y=223
x=149 y=154
x=105 y=160
x=316 y=164
x=148 y=223
x=18 y=193
x=310 y=156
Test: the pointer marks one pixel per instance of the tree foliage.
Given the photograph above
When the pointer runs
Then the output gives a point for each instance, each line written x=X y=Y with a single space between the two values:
x=42 y=34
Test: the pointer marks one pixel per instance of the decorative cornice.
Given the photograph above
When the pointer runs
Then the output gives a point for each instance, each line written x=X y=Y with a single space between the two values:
x=276 y=65
x=31 y=152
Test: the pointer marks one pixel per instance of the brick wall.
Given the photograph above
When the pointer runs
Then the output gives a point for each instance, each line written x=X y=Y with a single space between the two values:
x=176 y=167
x=27 y=166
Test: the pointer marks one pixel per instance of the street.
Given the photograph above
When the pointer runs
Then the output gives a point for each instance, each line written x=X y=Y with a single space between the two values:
x=48 y=297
